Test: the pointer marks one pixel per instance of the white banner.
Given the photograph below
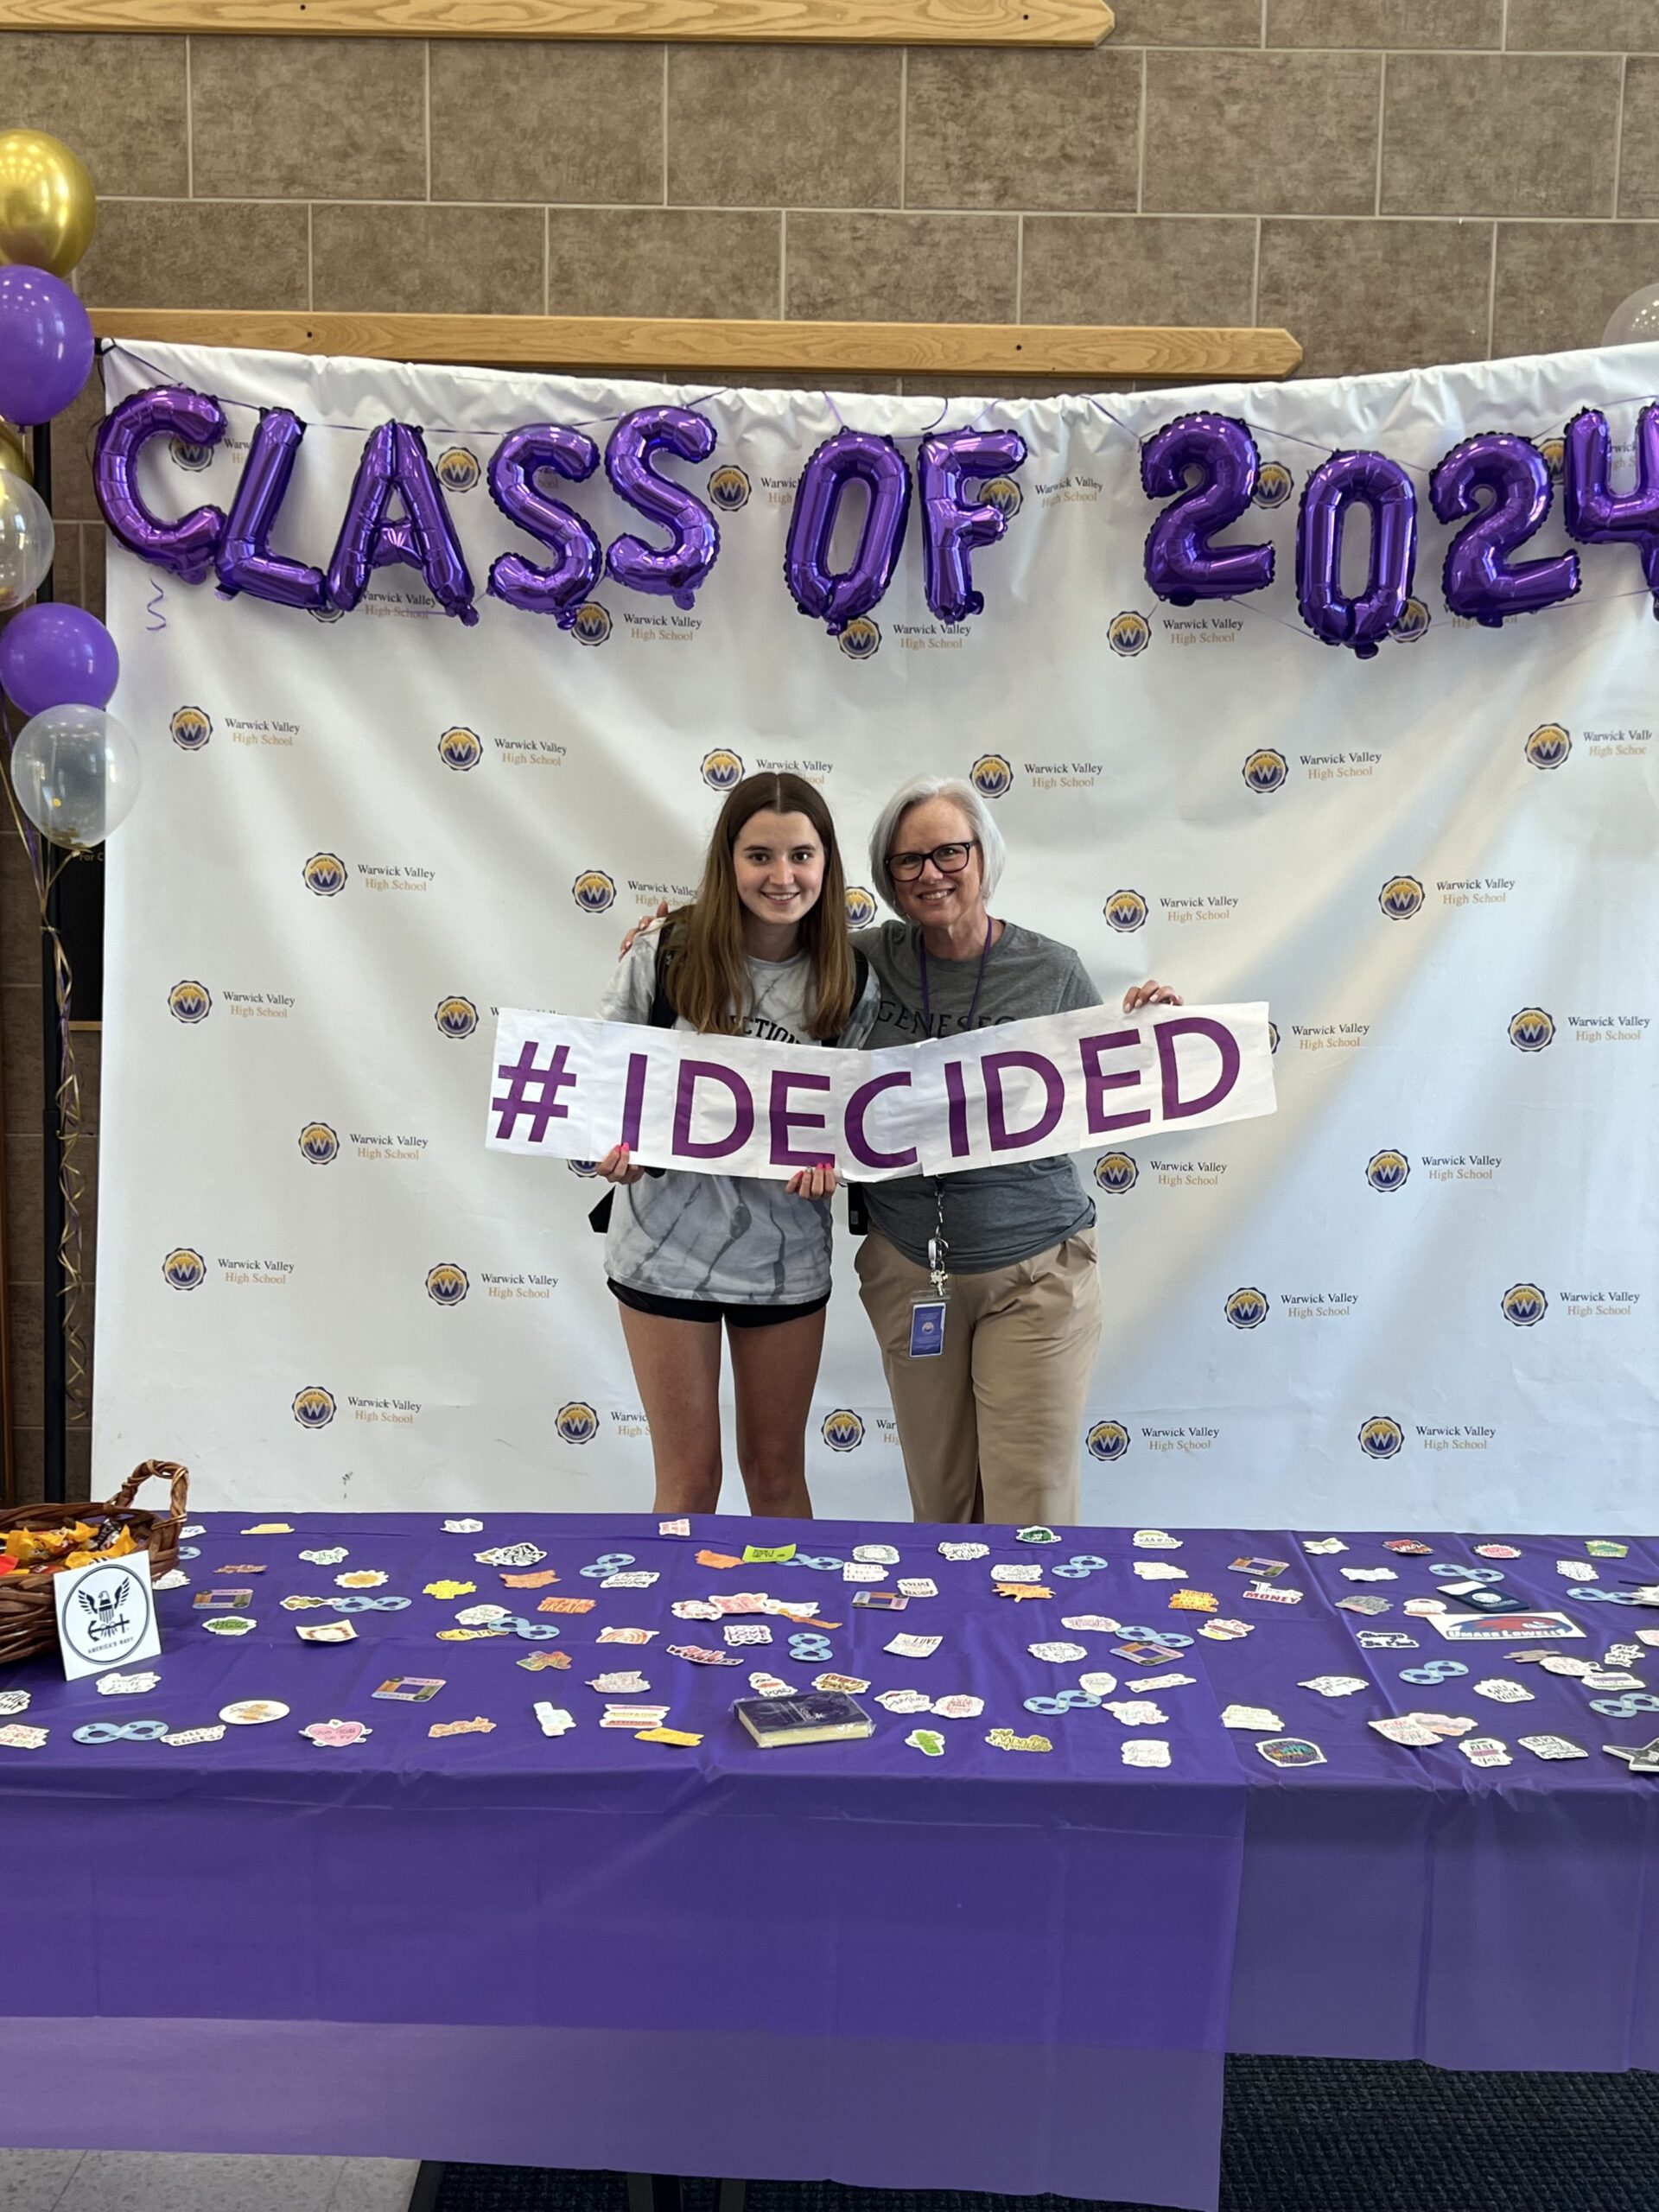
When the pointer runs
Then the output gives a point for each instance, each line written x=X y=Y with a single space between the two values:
x=740 y=1106
x=1419 y=1296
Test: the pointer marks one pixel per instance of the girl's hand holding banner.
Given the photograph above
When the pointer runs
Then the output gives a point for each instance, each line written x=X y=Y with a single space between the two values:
x=738 y=1106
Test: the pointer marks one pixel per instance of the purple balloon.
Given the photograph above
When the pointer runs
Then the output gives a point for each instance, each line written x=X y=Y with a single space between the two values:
x=694 y=547
x=1182 y=565
x=246 y=561
x=953 y=530
x=395 y=460
x=53 y=655
x=1480 y=581
x=1595 y=514
x=1383 y=487
x=564 y=588
x=46 y=344
x=850 y=457
x=185 y=547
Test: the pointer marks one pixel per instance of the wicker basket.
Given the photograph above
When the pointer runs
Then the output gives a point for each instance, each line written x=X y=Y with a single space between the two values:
x=29 y=1619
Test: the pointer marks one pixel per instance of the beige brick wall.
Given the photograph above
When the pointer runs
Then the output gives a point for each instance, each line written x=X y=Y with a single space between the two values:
x=1397 y=181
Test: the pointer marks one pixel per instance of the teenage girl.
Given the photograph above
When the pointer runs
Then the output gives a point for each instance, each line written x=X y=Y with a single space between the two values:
x=763 y=952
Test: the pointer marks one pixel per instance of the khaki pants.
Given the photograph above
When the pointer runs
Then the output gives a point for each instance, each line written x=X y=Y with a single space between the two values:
x=990 y=1428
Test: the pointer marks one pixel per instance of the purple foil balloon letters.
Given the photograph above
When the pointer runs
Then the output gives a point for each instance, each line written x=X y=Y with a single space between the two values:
x=851 y=456
x=565 y=587
x=1181 y=563
x=395 y=460
x=1479 y=580
x=953 y=530
x=630 y=454
x=246 y=561
x=186 y=547
x=1334 y=487
x=1595 y=514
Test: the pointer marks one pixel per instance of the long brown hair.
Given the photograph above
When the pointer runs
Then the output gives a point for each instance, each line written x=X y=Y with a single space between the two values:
x=708 y=982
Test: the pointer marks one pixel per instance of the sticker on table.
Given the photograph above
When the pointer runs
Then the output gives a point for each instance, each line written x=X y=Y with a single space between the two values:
x=116 y=1686
x=1147 y=1654
x=480 y=1726
x=18 y=1700
x=628 y=1684
x=361 y=1577
x=1604 y=1547
x=633 y=1718
x=1386 y=1639
x=874 y=1554
x=1018 y=1590
x=964 y=1551
x=410 y=1689
x=694 y=1609
x=243 y=1566
x=1226 y=1631
x=325 y=1631
x=482 y=1615
x=230 y=1624
x=683 y=1738
x=1551 y=1747
x=1195 y=1601
x=1142 y=1685
x=1095 y=1624
x=512 y=1556
x=445 y=1591
x=209 y=1601
x=1155 y=1540
x=533 y=1662
x=958 y=1705
x=679 y=1526
x=928 y=1741
x=904 y=1700
x=567 y=1604
x=270 y=1528
x=1323 y=1547
x=252 y=1712
x=881 y=1601
x=1485 y=1750
x=553 y=1720
x=1264 y=1570
x=1335 y=1685
x=1368 y=1606
x=701 y=1655
x=1560 y=1662
x=463 y=1528
x=1504 y=1628
x=772 y=1686
x=913 y=1647
x=1420 y=1608
x=1057 y=1655
x=1159 y=1570
x=1404 y=1728
x=773 y=1554
x=1249 y=1716
x=1496 y=1551
x=1290 y=1751
x=1097 y=1684
x=1576 y=1570
x=329 y=1558
x=1004 y=1739
x=1271 y=1594
x=917 y=1585
x=184 y=1736
x=1036 y=1535
x=718 y=1559
x=1368 y=1574
x=1144 y=1750
x=1407 y=1547
x=1017 y=1572
x=17 y=1736
x=843 y=1685
x=337 y=1735
x=174 y=1578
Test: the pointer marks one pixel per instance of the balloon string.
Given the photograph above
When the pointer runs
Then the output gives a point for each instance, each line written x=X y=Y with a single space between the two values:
x=71 y=1183
x=154 y=609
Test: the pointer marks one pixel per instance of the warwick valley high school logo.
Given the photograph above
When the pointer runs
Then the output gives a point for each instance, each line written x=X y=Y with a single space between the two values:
x=1108 y=1441
x=1401 y=898
x=456 y=1017
x=991 y=775
x=1524 y=1304
x=1246 y=1308
x=1388 y=1171
x=1117 y=1172
x=314 y=1407
x=860 y=907
x=722 y=770
x=319 y=1144
x=191 y=728
x=1266 y=771
x=1531 y=1030
x=460 y=748
x=446 y=1284
x=184 y=1269
x=1548 y=746
x=576 y=1423
x=593 y=891
x=1125 y=910
x=1381 y=1437
x=190 y=1002
x=325 y=873
x=842 y=1430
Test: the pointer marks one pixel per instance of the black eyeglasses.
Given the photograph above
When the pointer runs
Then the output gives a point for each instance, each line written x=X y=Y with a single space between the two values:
x=949 y=860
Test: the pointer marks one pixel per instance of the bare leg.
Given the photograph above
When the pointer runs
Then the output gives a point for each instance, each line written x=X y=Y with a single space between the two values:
x=676 y=1365
x=774 y=1370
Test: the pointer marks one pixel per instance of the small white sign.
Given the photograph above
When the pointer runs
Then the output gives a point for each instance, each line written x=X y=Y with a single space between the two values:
x=106 y=1615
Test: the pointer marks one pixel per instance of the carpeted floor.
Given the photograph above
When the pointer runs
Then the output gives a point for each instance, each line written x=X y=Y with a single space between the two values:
x=1302 y=2135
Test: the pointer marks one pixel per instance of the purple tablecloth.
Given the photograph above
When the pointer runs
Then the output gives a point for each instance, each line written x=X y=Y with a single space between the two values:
x=995 y=1969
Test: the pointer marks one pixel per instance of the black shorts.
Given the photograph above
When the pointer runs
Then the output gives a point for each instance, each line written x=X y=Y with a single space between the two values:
x=714 y=1309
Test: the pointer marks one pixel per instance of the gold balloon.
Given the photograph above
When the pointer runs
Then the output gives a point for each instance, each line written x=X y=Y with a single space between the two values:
x=47 y=206
x=14 y=455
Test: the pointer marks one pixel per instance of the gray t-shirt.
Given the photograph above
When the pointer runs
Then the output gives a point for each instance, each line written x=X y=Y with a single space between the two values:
x=734 y=1239
x=993 y=1217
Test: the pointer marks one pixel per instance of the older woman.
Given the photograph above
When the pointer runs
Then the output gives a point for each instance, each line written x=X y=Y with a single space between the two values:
x=990 y=1422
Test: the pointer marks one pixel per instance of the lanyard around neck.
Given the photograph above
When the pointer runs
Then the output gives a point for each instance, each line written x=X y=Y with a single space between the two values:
x=979 y=980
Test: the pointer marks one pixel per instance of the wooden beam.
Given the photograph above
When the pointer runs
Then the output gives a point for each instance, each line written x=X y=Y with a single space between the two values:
x=818 y=350
x=855 y=22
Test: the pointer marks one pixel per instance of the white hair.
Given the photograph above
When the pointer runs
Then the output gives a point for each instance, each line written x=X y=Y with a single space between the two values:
x=992 y=850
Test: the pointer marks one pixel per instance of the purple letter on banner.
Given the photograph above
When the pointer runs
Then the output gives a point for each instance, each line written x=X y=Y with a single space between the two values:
x=743 y=1106
x=1194 y=1025
x=1003 y=1139
x=858 y=1106
x=1095 y=1085
x=633 y=1100
x=784 y=1121
x=957 y=1110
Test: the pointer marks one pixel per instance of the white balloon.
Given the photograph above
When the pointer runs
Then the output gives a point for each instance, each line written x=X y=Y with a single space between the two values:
x=26 y=540
x=1634 y=321
x=75 y=771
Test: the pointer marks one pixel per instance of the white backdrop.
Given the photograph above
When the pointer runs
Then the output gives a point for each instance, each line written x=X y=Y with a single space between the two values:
x=316 y=1287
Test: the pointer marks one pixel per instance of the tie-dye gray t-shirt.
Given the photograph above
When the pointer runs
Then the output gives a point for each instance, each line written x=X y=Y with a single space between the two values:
x=734 y=1239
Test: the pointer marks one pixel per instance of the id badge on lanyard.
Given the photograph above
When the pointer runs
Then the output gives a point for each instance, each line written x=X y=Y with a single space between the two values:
x=927 y=1314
